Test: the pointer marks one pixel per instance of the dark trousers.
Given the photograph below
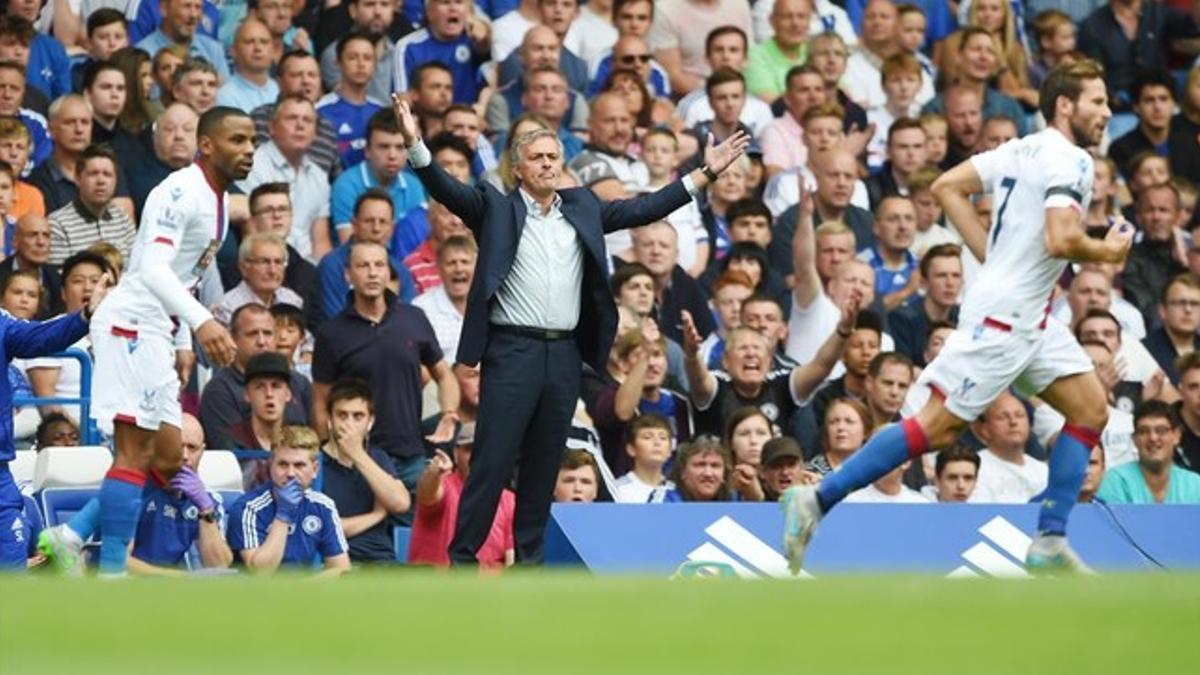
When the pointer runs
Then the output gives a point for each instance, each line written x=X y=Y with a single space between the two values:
x=528 y=391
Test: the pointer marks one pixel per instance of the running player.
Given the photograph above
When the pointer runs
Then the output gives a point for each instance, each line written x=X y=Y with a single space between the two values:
x=1041 y=185
x=135 y=397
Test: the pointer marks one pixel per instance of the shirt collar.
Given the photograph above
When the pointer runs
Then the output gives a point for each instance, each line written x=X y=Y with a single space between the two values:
x=532 y=206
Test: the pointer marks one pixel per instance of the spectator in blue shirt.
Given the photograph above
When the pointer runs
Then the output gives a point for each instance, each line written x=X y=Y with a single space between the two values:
x=145 y=16
x=384 y=167
x=45 y=60
x=251 y=84
x=179 y=26
x=894 y=265
x=373 y=221
x=286 y=522
x=349 y=107
x=12 y=92
x=181 y=516
x=450 y=37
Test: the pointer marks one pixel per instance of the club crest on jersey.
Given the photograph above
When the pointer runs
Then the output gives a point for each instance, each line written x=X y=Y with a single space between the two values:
x=462 y=54
x=311 y=525
x=191 y=512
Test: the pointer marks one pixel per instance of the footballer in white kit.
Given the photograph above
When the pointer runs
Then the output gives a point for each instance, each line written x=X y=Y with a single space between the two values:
x=1040 y=187
x=135 y=391
x=1005 y=335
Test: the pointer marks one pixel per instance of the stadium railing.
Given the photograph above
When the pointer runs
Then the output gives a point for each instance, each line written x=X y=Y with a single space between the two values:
x=89 y=434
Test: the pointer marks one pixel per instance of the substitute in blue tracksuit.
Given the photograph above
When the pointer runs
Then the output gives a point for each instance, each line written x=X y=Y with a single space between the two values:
x=26 y=340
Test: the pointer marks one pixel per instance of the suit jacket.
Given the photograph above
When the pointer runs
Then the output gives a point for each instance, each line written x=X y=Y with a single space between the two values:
x=497 y=220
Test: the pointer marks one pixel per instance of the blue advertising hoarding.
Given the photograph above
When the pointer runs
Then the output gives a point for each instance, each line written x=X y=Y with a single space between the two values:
x=951 y=539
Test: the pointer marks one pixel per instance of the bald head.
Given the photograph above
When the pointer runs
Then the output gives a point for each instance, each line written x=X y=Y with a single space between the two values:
x=964 y=116
x=610 y=123
x=175 y=135
x=541 y=47
x=32 y=245
x=252 y=47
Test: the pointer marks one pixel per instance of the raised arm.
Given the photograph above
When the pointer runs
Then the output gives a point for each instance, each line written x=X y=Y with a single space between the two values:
x=646 y=209
x=805 y=379
x=704 y=384
x=804 y=251
x=463 y=200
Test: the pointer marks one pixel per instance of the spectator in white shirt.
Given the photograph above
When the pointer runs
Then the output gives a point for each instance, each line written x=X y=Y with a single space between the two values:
x=649 y=444
x=262 y=259
x=592 y=33
x=1006 y=474
x=725 y=47
x=955 y=473
x=888 y=490
x=444 y=305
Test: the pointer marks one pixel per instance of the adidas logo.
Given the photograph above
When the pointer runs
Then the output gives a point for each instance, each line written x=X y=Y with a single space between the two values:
x=734 y=545
x=987 y=558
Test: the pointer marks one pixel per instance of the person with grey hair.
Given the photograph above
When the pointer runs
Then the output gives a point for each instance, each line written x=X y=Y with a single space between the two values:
x=538 y=309
x=71 y=129
x=262 y=259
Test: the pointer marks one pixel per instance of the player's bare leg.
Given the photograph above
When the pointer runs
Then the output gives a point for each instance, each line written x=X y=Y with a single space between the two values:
x=1082 y=401
x=933 y=427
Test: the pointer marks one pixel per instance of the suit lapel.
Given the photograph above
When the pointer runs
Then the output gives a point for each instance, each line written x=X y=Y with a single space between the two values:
x=577 y=216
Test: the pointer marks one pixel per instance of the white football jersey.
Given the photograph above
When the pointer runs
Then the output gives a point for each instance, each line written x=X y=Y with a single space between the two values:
x=187 y=214
x=1025 y=176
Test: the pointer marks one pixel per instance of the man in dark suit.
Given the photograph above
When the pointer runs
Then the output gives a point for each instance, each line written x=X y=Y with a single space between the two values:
x=538 y=307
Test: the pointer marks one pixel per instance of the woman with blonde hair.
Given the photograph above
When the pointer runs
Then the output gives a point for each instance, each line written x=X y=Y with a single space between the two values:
x=996 y=17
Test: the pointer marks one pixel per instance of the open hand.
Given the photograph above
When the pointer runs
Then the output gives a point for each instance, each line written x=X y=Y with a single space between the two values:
x=719 y=157
x=691 y=336
x=409 y=129
x=849 y=313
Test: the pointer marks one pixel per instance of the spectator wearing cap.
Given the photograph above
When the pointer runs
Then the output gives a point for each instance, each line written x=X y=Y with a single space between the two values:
x=578 y=477
x=387 y=344
x=358 y=477
x=223 y=402
x=955 y=473
x=439 y=492
x=262 y=259
x=1154 y=478
x=266 y=393
x=782 y=463
x=181 y=25
x=93 y=216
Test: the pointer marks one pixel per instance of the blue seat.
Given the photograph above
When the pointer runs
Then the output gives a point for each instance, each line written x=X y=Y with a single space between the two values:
x=60 y=504
x=401 y=537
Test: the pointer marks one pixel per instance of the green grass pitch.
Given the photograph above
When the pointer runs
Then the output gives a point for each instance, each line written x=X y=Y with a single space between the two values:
x=569 y=622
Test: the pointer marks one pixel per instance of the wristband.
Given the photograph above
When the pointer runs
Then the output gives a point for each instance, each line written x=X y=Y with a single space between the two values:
x=708 y=173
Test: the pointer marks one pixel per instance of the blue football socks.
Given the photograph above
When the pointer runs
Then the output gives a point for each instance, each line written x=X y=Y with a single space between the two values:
x=1068 y=468
x=886 y=451
x=120 y=501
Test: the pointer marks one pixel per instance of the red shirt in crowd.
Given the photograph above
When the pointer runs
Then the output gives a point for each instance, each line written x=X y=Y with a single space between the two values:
x=433 y=528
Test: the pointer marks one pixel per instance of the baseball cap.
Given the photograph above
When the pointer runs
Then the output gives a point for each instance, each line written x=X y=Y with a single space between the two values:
x=267 y=364
x=780 y=448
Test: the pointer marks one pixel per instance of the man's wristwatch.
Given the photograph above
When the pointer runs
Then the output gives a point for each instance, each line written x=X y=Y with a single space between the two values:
x=708 y=173
x=209 y=516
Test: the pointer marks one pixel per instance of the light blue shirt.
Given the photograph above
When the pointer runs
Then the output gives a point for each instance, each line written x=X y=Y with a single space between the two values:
x=1125 y=484
x=244 y=95
x=202 y=46
x=407 y=193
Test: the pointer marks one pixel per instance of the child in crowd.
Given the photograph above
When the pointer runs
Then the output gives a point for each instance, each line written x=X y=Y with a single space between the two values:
x=1054 y=32
x=291 y=338
x=8 y=180
x=930 y=229
x=937 y=143
x=913 y=24
x=15 y=147
x=901 y=74
x=660 y=152
x=649 y=444
x=730 y=289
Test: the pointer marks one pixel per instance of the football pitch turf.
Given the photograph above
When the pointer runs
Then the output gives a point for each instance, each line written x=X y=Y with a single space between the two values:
x=565 y=623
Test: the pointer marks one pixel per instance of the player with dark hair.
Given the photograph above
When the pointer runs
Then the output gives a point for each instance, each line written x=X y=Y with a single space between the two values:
x=135 y=398
x=1042 y=184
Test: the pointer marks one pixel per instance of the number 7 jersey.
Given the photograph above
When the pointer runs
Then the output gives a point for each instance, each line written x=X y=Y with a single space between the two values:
x=1025 y=177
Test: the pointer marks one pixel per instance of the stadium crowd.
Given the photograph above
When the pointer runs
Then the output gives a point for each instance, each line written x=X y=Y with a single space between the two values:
x=742 y=364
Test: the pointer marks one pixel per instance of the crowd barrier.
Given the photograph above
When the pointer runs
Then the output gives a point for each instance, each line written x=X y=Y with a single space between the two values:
x=961 y=540
x=89 y=434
